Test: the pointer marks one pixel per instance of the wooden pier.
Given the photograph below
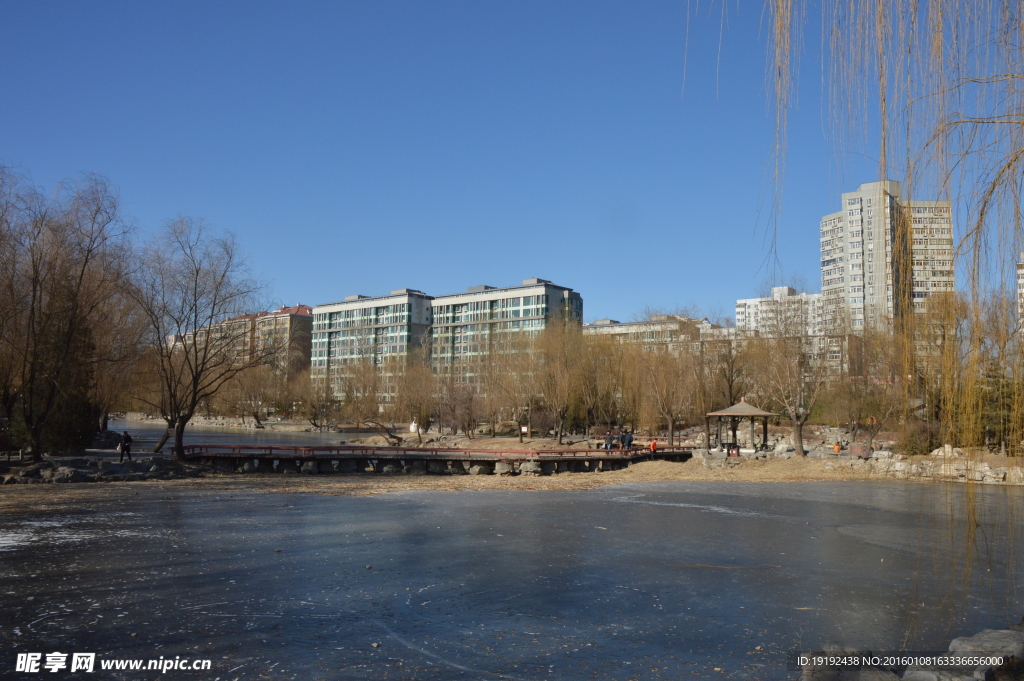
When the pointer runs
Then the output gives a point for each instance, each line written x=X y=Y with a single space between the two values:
x=359 y=459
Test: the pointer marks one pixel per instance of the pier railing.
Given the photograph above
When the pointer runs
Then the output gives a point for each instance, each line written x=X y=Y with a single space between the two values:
x=426 y=453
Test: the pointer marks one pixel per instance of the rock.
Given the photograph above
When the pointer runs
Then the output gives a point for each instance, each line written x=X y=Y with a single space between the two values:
x=348 y=466
x=480 y=469
x=1015 y=475
x=310 y=467
x=503 y=468
x=995 y=475
x=530 y=468
x=66 y=474
x=390 y=469
x=948 y=451
x=416 y=468
x=248 y=467
x=1004 y=642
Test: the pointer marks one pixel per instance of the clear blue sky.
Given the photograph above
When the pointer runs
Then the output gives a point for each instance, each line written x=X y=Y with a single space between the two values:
x=361 y=147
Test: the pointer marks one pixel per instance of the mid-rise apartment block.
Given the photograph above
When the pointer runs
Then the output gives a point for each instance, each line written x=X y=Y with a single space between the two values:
x=465 y=325
x=883 y=256
x=281 y=338
x=667 y=331
x=446 y=329
x=785 y=312
x=364 y=328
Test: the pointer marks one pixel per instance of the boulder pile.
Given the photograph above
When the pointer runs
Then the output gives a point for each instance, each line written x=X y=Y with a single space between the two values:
x=62 y=470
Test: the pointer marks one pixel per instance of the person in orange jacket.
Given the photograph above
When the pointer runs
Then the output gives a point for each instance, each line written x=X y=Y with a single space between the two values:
x=654 y=446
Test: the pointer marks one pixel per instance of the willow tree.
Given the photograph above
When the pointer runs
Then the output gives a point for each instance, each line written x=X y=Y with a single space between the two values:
x=939 y=85
x=64 y=259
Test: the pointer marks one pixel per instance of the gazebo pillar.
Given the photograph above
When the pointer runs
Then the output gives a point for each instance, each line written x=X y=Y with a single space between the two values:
x=753 y=442
x=718 y=434
x=764 y=441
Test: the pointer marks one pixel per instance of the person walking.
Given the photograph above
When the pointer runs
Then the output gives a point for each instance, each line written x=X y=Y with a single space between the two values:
x=125 y=447
x=608 y=440
x=622 y=439
x=627 y=441
x=654 y=446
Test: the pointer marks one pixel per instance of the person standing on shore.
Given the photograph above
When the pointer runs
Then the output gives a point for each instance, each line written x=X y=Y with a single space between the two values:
x=125 y=447
x=654 y=446
x=627 y=441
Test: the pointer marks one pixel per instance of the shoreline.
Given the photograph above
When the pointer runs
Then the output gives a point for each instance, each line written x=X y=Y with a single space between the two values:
x=372 y=484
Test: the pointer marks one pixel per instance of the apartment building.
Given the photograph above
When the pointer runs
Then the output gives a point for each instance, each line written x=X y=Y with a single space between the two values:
x=446 y=329
x=1020 y=286
x=466 y=325
x=784 y=312
x=289 y=332
x=369 y=328
x=667 y=331
x=281 y=338
x=883 y=256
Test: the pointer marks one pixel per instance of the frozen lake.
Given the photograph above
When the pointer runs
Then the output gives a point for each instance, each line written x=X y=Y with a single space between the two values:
x=639 y=581
x=145 y=435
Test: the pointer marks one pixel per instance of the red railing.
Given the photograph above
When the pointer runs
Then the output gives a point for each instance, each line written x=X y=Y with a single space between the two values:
x=360 y=452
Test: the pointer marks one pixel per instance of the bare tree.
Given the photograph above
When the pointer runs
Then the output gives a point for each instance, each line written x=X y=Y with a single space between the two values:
x=562 y=368
x=317 y=401
x=64 y=260
x=416 y=394
x=195 y=292
x=668 y=387
x=792 y=372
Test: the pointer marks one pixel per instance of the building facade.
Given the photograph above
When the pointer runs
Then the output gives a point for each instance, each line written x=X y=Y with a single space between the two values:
x=1020 y=286
x=364 y=328
x=466 y=325
x=289 y=332
x=883 y=256
x=281 y=339
x=785 y=312
x=446 y=329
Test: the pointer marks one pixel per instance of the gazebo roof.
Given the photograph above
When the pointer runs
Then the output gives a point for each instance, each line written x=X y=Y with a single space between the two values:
x=741 y=409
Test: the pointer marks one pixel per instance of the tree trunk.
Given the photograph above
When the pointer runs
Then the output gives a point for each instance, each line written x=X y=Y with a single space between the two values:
x=256 y=417
x=162 y=441
x=104 y=421
x=179 y=437
x=671 y=431
x=798 y=438
x=519 y=427
x=560 y=423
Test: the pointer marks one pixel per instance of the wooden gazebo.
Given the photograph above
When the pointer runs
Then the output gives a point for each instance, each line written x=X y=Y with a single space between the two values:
x=735 y=413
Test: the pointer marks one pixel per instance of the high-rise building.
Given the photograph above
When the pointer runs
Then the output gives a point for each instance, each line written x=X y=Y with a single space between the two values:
x=883 y=256
x=784 y=312
x=1020 y=287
